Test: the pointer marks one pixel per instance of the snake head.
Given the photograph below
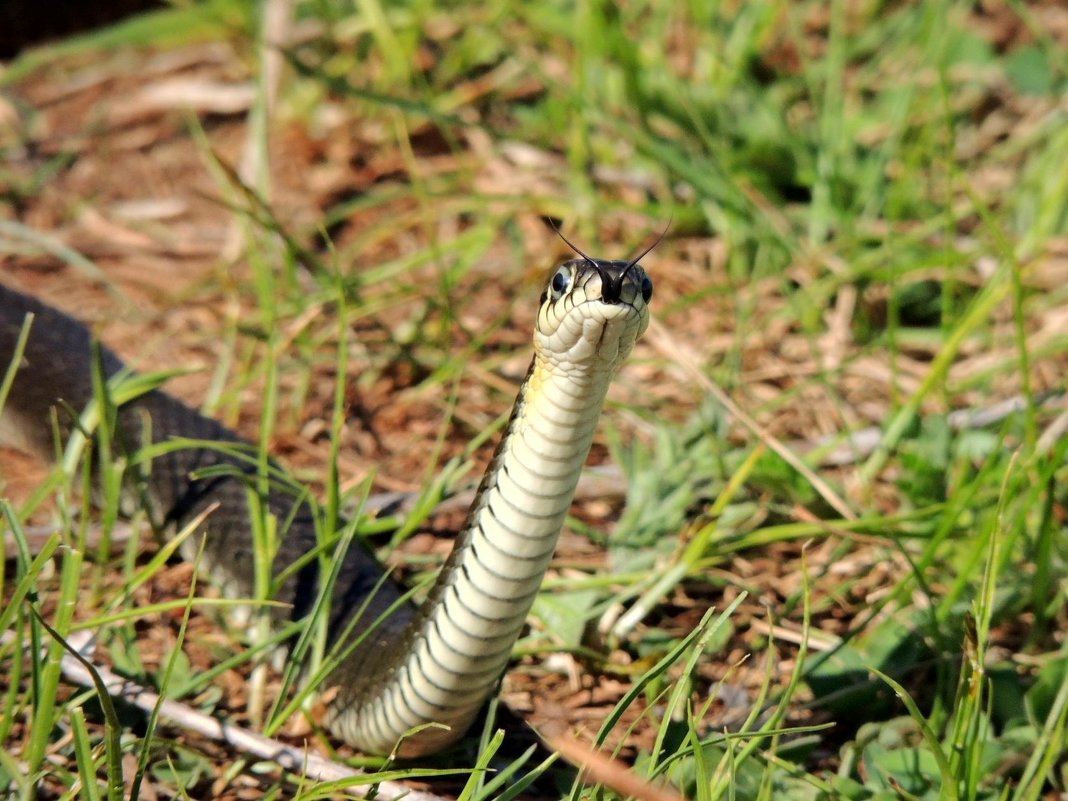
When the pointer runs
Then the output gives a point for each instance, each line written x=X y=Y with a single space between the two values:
x=592 y=312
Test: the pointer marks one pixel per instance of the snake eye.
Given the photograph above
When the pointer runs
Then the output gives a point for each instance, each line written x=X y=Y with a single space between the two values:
x=647 y=289
x=561 y=281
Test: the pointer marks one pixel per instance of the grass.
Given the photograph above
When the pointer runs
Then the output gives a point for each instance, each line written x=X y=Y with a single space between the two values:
x=868 y=214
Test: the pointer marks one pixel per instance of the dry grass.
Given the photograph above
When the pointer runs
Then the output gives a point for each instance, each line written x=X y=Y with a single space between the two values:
x=826 y=251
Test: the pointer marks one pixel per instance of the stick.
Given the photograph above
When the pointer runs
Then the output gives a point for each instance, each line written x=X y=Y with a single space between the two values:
x=289 y=758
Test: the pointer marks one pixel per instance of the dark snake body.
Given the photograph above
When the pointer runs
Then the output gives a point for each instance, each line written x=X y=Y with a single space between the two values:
x=55 y=368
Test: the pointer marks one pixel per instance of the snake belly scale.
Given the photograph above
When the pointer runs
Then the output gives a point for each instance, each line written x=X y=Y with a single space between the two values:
x=432 y=663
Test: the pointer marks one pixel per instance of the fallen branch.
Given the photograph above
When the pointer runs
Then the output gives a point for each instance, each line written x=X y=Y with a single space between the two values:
x=289 y=758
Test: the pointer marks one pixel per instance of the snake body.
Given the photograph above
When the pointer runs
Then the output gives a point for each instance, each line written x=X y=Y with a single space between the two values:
x=406 y=666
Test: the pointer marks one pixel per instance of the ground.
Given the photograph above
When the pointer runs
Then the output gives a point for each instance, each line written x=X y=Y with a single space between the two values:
x=130 y=158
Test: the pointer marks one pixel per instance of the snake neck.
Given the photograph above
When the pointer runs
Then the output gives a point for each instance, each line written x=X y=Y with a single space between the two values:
x=459 y=644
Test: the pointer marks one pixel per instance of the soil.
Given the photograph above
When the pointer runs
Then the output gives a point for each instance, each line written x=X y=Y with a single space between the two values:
x=117 y=157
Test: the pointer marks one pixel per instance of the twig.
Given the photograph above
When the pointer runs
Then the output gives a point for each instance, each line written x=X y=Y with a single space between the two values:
x=669 y=347
x=287 y=757
x=275 y=31
x=855 y=446
x=860 y=444
x=601 y=769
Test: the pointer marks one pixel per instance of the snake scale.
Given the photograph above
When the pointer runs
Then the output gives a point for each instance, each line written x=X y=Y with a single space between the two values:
x=436 y=662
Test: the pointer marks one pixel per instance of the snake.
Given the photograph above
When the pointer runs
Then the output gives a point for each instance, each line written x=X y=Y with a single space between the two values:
x=411 y=677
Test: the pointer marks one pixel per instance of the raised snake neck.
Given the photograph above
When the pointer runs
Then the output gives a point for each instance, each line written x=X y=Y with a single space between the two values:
x=436 y=663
